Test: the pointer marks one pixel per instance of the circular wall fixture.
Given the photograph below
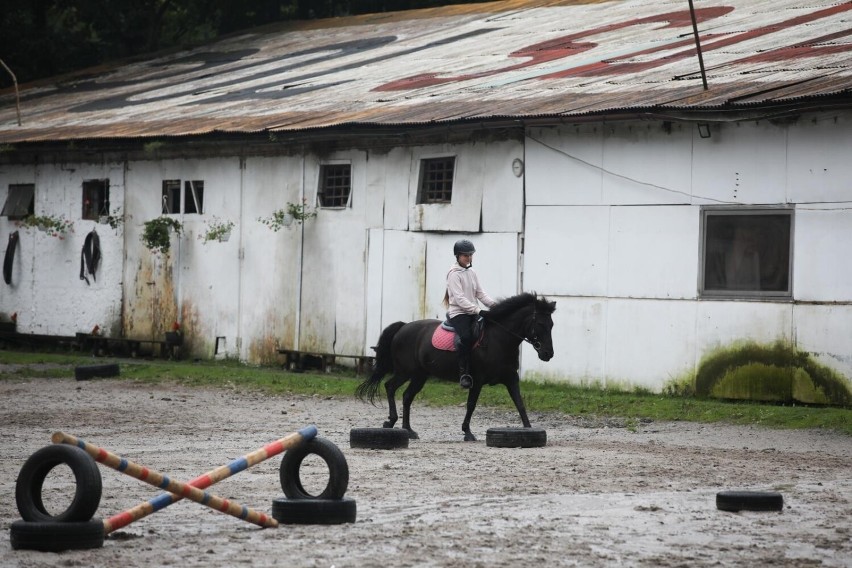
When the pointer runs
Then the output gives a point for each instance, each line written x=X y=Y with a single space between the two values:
x=517 y=167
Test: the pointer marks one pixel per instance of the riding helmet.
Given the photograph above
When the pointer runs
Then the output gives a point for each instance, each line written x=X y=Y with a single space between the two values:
x=463 y=246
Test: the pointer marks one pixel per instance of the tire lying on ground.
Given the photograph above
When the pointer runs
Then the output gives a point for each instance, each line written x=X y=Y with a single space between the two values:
x=378 y=438
x=105 y=370
x=735 y=501
x=56 y=537
x=338 y=470
x=314 y=511
x=516 y=437
x=87 y=494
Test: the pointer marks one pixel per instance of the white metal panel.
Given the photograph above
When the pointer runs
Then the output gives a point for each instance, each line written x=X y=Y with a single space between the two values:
x=397 y=168
x=824 y=332
x=741 y=163
x=374 y=172
x=818 y=166
x=566 y=250
x=563 y=165
x=403 y=281
x=649 y=342
x=374 y=292
x=647 y=163
x=579 y=343
x=724 y=323
x=271 y=263
x=464 y=211
x=653 y=252
x=821 y=271
x=502 y=190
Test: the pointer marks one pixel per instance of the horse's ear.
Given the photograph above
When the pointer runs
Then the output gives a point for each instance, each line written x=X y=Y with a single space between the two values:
x=552 y=306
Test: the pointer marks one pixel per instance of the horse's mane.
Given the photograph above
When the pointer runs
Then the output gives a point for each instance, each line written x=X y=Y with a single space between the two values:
x=512 y=304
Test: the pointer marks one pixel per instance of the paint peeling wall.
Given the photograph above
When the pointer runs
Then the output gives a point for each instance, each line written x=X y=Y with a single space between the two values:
x=613 y=234
x=46 y=291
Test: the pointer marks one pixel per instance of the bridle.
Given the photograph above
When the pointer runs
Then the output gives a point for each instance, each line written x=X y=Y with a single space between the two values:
x=531 y=338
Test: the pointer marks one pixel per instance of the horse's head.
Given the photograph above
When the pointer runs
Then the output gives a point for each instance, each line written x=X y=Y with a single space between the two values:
x=541 y=324
x=527 y=317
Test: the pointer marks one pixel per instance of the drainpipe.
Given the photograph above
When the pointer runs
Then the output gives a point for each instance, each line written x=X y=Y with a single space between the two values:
x=238 y=343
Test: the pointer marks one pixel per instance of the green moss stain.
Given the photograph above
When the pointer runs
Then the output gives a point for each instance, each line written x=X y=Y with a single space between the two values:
x=776 y=372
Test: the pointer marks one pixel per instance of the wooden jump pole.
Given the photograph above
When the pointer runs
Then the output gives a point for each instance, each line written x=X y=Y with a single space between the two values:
x=193 y=489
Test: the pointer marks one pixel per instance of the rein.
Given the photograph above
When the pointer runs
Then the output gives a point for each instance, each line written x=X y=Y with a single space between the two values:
x=534 y=340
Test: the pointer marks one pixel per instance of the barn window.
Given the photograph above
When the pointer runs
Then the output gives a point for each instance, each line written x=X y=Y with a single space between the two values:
x=193 y=196
x=335 y=185
x=436 y=180
x=20 y=201
x=95 y=198
x=746 y=253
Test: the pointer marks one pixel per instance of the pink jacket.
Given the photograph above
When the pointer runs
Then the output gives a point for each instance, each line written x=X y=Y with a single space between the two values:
x=463 y=291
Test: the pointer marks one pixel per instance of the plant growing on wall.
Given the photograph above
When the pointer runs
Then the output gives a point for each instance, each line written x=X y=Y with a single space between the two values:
x=298 y=212
x=114 y=219
x=53 y=225
x=217 y=230
x=156 y=234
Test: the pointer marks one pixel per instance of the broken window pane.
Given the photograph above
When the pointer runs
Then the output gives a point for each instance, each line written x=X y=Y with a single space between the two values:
x=193 y=199
x=20 y=201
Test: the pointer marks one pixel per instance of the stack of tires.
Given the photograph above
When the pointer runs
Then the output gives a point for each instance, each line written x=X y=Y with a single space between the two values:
x=73 y=528
x=329 y=507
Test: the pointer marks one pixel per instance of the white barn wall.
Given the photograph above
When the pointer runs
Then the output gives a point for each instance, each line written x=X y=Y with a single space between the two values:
x=46 y=291
x=625 y=272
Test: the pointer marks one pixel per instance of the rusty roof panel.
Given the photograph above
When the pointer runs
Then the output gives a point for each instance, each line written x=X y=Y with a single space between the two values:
x=515 y=59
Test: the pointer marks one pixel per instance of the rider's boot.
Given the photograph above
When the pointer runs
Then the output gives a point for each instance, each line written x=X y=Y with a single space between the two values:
x=465 y=380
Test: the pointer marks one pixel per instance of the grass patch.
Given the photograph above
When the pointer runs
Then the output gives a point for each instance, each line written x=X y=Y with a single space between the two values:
x=632 y=406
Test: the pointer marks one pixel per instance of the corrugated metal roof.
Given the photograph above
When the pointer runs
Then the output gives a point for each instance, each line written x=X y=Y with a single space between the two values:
x=510 y=60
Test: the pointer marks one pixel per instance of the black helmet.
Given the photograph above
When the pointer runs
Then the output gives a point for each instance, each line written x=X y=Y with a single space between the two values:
x=463 y=246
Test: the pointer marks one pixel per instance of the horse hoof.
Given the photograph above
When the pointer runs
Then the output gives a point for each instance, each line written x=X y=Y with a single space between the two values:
x=469 y=437
x=387 y=424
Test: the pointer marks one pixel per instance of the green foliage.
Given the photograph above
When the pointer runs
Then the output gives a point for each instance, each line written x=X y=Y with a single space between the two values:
x=298 y=212
x=156 y=234
x=114 y=219
x=217 y=229
x=53 y=225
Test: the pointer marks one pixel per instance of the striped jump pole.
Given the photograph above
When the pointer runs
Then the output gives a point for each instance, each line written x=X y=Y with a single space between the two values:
x=191 y=490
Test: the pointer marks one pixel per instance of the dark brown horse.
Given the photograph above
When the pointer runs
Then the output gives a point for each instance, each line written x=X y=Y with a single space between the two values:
x=405 y=350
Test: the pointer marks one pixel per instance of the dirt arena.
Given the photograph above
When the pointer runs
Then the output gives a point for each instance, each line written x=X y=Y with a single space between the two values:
x=598 y=494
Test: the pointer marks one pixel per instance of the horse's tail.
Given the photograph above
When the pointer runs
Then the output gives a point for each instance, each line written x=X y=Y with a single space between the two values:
x=384 y=363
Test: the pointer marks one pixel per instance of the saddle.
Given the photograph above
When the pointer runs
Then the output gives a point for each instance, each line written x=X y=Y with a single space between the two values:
x=446 y=339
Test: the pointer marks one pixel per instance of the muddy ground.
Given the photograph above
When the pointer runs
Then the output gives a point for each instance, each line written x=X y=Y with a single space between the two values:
x=599 y=494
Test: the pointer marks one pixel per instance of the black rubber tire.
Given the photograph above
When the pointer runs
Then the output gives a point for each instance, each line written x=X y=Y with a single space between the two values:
x=314 y=511
x=87 y=495
x=105 y=370
x=338 y=470
x=378 y=438
x=56 y=537
x=735 y=501
x=516 y=437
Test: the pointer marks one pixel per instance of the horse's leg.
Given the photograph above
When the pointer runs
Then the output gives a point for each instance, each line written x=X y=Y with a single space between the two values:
x=472 y=397
x=414 y=387
x=514 y=389
x=390 y=388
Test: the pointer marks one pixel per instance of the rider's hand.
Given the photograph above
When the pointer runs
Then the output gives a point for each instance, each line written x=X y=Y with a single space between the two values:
x=484 y=314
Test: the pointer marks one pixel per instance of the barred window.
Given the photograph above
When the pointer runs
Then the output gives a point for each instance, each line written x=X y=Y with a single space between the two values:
x=335 y=185
x=746 y=253
x=436 y=180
